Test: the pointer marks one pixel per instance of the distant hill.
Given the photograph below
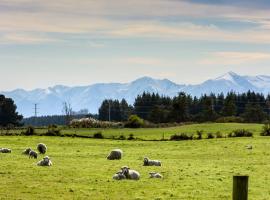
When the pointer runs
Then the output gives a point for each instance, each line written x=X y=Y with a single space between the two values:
x=50 y=100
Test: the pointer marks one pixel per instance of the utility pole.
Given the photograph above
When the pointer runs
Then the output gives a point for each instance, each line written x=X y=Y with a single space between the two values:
x=109 y=111
x=36 y=109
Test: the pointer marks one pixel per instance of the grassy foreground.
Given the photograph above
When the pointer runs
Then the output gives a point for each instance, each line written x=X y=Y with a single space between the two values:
x=200 y=169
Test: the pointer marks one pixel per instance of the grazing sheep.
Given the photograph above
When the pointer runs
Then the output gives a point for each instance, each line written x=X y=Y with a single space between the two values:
x=155 y=175
x=5 y=150
x=249 y=147
x=119 y=176
x=148 y=162
x=33 y=154
x=45 y=162
x=130 y=174
x=115 y=154
x=42 y=148
x=26 y=151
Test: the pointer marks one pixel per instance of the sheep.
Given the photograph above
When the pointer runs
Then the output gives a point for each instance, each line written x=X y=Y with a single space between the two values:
x=130 y=174
x=42 y=148
x=155 y=175
x=45 y=162
x=148 y=162
x=5 y=150
x=26 y=151
x=33 y=154
x=119 y=176
x=115 y=154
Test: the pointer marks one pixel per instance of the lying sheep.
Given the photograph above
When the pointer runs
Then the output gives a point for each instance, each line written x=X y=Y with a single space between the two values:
x=5 y=150
x=119 y=176
x=115 y=154
x=130 y=174
x=26 y=151
x=155 y=175
x=33 y=154
x=45 y=162
x=42 y=148
x=148 y=162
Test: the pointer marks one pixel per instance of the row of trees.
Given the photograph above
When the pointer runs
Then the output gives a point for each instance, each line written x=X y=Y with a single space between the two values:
x=249 y=107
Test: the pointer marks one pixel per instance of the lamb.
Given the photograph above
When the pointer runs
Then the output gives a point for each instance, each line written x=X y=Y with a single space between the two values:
x=45 y=162
x=148 y=162
x=26 y=151
x=115 y=154
x=33 y=154
x=155 y=175
x=119 y=176
x=5 y=150
x=130 y=174
x=42 y=148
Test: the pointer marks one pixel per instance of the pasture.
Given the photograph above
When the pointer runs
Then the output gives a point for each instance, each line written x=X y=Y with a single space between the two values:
x=196 y=169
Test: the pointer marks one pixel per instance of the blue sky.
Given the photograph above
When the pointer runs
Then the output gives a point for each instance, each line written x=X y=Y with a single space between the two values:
x=44 y=43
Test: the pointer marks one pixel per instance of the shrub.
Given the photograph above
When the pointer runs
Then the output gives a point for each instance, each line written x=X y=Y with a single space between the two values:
x=210 y=136
x=181 y=136
x=131 y=137
x=219 y=135
x=134 y=122
x=121 y=137
x=30 y=130
x=240 y=133
x=98 y=135
x=53 y=131
x=266 y=130
x=230 y=119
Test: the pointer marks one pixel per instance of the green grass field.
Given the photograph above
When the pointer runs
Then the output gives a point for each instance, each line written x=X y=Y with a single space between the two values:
x=196 y=169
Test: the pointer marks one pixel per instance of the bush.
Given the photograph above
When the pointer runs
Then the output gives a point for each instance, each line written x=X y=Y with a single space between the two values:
x=266 y=130
x=219 y=135
x=53 y=130
x=134 y=122
x=30 y=130
x=181 y=136
x=131 y=137
x=210 y=136
x=121 y=137
x=230 y=119
x=240 y=133
x=98 y=135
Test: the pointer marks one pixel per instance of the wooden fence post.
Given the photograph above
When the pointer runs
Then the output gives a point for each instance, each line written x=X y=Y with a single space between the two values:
x=240 y=188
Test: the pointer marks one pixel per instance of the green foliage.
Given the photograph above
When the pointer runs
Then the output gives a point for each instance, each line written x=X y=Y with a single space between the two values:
x=181 y=136
x=266 y=130
x=30 y=130
x=210 y=136
x=240 y=133
x=134 y=122
x=53 y=130
x=230 y=119
x=131 y=137
x=98 y=135
x=8 y=113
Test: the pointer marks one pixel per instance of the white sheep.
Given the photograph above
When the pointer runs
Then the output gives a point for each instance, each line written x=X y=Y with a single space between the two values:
x=45 y=162
x=115 y=154
x=26 y=151
x=42 y=148
x=5 y=150
x=119 y=176
x=33 y=154
x=155 y=175
x=148 y=162
x=130 y=173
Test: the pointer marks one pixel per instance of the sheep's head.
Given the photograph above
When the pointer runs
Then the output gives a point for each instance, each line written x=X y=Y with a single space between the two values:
x=145 y=161
x=125 y=170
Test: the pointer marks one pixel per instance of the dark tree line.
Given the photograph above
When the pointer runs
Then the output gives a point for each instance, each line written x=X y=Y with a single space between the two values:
x=248 y=107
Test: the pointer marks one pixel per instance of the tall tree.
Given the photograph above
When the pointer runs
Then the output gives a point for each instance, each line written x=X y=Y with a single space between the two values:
x=8 y=113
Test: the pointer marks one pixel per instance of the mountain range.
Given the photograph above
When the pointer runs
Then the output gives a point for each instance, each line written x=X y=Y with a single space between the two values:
x=50 y=100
